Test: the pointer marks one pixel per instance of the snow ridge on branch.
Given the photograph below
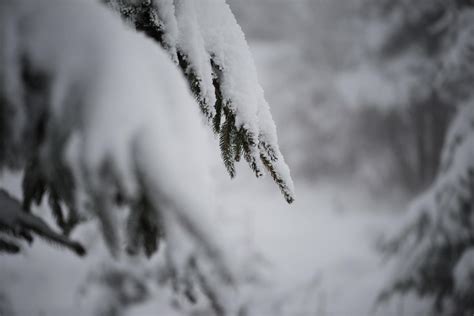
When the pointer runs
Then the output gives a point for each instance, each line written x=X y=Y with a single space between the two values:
x=204 y=39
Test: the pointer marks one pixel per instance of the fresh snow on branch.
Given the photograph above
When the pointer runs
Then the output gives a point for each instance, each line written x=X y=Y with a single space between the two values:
x=97 y=105
x=432 y=245
x=204 y=38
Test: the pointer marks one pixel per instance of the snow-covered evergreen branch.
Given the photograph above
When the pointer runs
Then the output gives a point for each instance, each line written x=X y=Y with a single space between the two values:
x=204 y=39
x=101 y=118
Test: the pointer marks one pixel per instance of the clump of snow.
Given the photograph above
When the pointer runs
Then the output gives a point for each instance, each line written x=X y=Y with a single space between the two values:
x=190 y=42
x=229 y=50
x=167 y=21
x=463 y=273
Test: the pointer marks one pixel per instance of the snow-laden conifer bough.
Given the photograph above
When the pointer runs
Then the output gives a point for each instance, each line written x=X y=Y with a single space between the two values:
x=98 y=115
x=431 y=252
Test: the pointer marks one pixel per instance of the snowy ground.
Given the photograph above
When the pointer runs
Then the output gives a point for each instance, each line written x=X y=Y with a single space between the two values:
x=319 y=252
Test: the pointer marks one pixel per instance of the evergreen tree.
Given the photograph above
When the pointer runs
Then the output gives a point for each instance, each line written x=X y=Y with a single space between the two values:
x=99 y=119
x=432 y=251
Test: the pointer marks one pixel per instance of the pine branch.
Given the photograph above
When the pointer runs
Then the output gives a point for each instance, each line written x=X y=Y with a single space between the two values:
x=234 y=140
x=15 y=221
x=249 y=146
x=226 y=142
x=144 y=228
x=219 y=106
x=33 y=185
x=238 y=144
x=56 y=209
x=269 y=165
x=194 y=82
x=9 y=246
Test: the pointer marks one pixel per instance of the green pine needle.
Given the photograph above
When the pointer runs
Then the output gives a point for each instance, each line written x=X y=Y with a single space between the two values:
x=277 y=178
x=225 y=142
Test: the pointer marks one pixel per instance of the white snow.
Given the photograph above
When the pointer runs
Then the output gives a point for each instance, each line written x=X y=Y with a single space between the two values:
x=207 y=30
x=322 y=247
x=128 y=120
x=166 y=15
x=314 y=257
x=436 y=219
x=190 y=41
x=463 y=273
